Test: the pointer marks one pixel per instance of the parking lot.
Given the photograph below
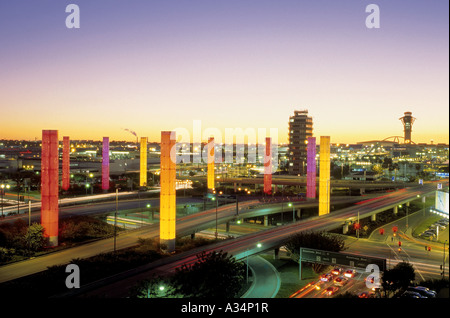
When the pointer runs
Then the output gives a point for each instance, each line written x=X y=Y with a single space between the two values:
x=437 y=231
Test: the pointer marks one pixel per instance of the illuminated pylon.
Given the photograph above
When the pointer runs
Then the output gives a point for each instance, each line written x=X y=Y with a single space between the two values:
x=210 y=181
x=49 y=186
x=105 y=164
x=66 y=163
x=311 y=168
x=167 y=221
x=143 y=163
x=324 y=178
x=268 y=167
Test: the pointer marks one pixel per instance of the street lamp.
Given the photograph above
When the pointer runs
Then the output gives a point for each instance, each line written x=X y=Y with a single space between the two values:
x=293 y=211
x=259 y=245
x=217 y=205
x=115 y=218
x=443 y=262
x=149 y=207
x=3 y=186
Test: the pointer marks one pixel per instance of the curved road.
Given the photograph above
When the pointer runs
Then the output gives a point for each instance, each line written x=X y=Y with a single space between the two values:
x=247 y=245
x=240 y=247
x=266 y=279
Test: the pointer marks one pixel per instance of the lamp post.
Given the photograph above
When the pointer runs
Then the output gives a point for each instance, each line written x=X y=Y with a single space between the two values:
x=258 y=246
x=215 y=198
x=443 y=262
x=3 y=186
x=149 y=207
x=115 y=218
x=293 y=211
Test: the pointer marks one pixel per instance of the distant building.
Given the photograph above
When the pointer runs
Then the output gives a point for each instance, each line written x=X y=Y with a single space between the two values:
x=300 y=128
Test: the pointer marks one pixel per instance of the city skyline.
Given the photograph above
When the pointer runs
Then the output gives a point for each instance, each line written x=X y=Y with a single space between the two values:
x=155 y=66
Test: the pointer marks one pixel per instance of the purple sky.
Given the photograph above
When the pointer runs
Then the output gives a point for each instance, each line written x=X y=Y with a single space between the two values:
x=158 y=65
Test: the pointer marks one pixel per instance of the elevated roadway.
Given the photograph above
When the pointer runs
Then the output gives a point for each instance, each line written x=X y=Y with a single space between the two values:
x=248 y=244
x=301 y=181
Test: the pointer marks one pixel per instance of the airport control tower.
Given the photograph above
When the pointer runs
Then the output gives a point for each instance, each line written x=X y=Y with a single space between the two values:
x=408 y=121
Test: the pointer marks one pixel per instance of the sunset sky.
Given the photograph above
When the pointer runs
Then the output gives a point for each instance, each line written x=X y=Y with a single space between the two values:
x=152 y=65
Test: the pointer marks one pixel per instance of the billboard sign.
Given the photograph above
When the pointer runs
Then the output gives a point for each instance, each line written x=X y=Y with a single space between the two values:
x=342 y=259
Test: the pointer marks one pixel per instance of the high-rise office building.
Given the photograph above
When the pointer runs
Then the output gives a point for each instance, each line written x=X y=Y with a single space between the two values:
x=300 y=128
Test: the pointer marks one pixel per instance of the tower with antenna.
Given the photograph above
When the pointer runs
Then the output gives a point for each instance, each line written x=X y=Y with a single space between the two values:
x=407 y=121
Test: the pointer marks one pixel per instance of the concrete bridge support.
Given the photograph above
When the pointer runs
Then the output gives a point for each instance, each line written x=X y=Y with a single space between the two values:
x=266 y=220
x=345 y=228
x=373 y=217
x=276 y=253
x=395 y=210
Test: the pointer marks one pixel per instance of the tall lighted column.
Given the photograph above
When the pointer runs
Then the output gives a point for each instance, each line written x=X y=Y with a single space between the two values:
x=311 y=168
x=105 y=164
x=66 y=163
x=324 y=178
x=167 y=220
x=49 y=185
x=210 y=178
x=143 y=163
x=268 y=167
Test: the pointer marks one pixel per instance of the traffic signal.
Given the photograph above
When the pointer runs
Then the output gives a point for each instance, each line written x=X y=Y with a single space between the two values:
x=394 y=229
x=429 y=248
x=399 y=249
x=381 y=231
x=399 y=243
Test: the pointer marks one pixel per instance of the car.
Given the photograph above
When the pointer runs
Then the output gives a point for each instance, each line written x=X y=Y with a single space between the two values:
x=424 y=291
x=411 y=294
x=443 y=221
x=440 y=226
x=331 y=290
x=427 y=235
x=326 y=277
x=350 y=273
x=336 y=271
x=340 y=281
x=366 y=294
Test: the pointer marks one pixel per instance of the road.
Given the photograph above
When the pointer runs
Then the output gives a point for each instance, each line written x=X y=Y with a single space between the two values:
x=247 y=244
x=240 y=247
x=266 y=279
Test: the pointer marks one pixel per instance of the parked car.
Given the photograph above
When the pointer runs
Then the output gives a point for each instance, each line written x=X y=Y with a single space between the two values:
x=411 y=294
x=427 y=235
x=443 y=221
x=440 y=226
x=424 y=291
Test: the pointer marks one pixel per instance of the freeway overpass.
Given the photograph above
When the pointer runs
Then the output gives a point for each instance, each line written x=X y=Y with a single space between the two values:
x=301 y=181
x=246 y=245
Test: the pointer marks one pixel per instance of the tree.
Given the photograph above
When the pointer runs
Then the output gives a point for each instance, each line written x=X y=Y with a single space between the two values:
x=399 y=277
x=34 y=238
x=377 y=168
x=316 y=240
x=157 y=287
x=215 y=274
